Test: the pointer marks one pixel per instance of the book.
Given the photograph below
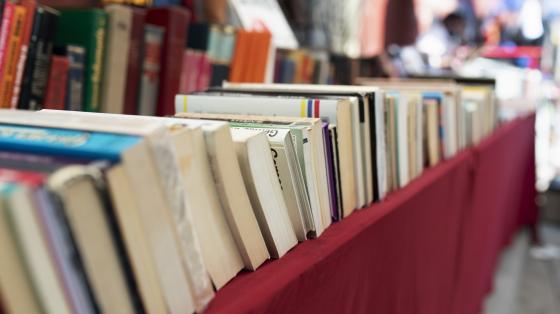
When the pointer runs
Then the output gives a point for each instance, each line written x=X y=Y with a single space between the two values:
x=290 y=176
x=55 y=96
x=309 y=150
x=7 y=24
x=31 y=6
x=151 y=68
x=86 y=28
x=75 y=77
x=134 y=66
x=255 y=160
x=17 y=291
x=11 y=55
x=134 y=153
x=119 y=23
x=38 y=61
x=175 y=21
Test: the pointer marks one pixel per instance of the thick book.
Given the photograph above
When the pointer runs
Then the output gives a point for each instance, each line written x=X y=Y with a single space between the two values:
x=55 y=97
x=86 y=28
x=175 y=21
x=31 y=6
x=151 y=70
x=134 y=66
x=18 y=295
x=264 y=190
x=38 y=60
x=119 y=24
x=11 y=56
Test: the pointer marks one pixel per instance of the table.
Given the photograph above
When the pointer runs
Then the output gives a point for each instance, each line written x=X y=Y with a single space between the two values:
x=430 y=247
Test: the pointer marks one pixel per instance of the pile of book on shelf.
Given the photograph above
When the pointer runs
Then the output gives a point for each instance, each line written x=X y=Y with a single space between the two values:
x=128 y=213
x=132 y=60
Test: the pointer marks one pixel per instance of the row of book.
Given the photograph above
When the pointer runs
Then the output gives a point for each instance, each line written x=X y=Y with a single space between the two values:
x=127 y=213
x=133 y=60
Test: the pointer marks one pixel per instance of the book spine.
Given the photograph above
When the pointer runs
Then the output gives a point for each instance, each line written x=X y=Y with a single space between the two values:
x=115 y=61
x=11 y=56
x=23 y=94
x=6 y=26
x=42 y=60
x=185 y=70
x=93 y=90
x=134 y=67
x=75 y=80
x=31 y=7
x=149 y=82
x=56 y=89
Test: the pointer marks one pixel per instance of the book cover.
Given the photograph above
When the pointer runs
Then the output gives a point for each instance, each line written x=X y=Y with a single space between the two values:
x=71 y=143
x=55 y=97
x=151 y=70
x=175 y=21
x=33 y=91
x=119 y=20
x=31 y=6
x=134 y=66
x=11 y=55
x=86 y=28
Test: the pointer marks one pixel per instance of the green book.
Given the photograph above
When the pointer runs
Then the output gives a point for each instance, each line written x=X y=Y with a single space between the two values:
x=86 y=28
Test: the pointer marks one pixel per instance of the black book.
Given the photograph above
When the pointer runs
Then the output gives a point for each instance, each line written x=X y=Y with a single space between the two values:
x=37 y=67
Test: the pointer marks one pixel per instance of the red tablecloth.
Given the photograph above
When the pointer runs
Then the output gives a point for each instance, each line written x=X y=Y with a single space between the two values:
x=428 y=248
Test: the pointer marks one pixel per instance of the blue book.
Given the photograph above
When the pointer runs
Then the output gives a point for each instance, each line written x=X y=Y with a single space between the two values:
x=63 y=142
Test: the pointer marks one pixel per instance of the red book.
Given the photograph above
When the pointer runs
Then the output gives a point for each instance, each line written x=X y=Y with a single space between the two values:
x=175 y=21
x=11 y=56
x=56 y=87
x=204 y=73
x=31 y=6
x=134 y=68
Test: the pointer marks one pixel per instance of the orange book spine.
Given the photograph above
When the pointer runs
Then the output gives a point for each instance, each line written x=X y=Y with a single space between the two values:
x=264 y=47
x=31 y=6
x=12 y=56
x=237 y=65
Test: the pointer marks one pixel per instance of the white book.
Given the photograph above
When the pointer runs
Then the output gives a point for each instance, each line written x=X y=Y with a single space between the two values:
x=337 y=112
x=290 y=176
x=255 y=160
x=402 y=139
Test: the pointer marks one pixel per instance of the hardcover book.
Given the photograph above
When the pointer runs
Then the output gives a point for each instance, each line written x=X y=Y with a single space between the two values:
x=175 y=21
x=86 y=28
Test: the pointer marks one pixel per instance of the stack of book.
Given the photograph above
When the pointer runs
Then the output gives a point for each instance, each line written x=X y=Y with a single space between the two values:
x=127 y=213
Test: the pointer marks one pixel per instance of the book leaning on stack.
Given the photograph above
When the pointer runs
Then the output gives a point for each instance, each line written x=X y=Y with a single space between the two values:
x=123 y=213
